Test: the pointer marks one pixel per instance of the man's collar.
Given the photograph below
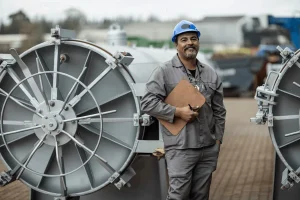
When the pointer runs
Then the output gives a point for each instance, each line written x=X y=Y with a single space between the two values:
x=177 y=63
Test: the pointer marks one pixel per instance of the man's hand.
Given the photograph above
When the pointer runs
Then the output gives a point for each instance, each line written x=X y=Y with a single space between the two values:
x=218 y=142
x=186 y=113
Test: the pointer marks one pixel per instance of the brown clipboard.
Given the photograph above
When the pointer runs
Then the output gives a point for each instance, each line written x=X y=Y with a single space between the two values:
x=183 y=94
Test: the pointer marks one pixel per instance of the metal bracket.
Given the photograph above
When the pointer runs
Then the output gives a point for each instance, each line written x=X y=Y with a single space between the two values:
x=124 y=58
x=60 y=33
x=7 y=58
x=5 y=178
x=270 y=120
x=144 y=120
x=111 y=62
x=293 y=60
x=3 y=66
x=289 y=178
x=125 y=178
x=115 y=176
x=263 y=96
x=285 y=53
x=147 y=120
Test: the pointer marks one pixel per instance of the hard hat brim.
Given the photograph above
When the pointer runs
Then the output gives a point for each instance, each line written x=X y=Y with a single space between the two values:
x=185 y=31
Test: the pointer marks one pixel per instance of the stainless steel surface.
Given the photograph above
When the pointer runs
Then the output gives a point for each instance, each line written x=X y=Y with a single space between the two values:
x=62 y=152
x=147 y=59
x=278 y=105
x=71 y=122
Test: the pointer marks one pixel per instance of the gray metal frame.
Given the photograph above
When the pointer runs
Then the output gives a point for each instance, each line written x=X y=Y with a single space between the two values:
x=119 y=62
x=266 y=96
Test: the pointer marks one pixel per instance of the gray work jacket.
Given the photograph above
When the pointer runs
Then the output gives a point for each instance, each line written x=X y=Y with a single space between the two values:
x=195 y=134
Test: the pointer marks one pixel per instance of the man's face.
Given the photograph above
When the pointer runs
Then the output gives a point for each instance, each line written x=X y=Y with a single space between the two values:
x=188 y=45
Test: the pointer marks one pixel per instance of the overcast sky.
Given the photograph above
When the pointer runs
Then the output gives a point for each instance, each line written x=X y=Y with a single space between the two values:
x=164 y=9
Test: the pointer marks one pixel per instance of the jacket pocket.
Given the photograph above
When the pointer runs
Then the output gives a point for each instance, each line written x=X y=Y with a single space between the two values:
x=209 y=92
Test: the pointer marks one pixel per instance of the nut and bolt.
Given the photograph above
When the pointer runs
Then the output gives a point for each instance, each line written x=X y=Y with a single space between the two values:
x=54 y=115
x=52 y=103
x=51 y=124
x=44 y=126
x=46 y=117
x=285 y=53
x=66 y=108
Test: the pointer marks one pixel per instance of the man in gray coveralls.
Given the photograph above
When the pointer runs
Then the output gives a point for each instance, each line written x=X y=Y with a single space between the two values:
x=192 y=154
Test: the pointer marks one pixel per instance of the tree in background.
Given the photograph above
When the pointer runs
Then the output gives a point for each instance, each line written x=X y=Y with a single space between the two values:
x=18 y=21
x=75 y=20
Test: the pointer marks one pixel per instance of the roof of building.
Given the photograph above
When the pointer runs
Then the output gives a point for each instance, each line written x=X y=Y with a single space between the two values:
x=222 y=18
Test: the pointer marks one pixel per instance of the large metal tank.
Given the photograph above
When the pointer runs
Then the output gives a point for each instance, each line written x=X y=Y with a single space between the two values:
x=279 y=107
x=116 y=36
x=71 y=124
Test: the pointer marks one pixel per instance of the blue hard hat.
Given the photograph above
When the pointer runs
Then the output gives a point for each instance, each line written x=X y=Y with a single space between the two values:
x=184 y=26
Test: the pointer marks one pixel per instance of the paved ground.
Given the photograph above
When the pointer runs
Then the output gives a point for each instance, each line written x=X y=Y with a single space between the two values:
x=245 y=165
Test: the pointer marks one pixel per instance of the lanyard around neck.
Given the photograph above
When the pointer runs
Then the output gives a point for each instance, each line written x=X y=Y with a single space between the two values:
x=202 y=85
x=188 y=75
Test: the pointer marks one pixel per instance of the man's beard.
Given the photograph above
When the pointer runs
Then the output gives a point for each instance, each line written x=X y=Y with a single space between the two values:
x=190 y=54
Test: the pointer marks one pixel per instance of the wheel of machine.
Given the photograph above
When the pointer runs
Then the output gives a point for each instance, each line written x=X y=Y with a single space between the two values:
x=67 y=118
x=279 y=105
x=286 y=112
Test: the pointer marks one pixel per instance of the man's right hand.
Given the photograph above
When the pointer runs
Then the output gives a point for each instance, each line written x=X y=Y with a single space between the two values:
x=186 y=113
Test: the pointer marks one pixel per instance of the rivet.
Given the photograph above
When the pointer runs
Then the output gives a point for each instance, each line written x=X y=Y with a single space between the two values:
x=52 y=103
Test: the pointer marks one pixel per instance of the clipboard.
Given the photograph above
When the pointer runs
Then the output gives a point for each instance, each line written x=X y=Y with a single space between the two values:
x=183 y=94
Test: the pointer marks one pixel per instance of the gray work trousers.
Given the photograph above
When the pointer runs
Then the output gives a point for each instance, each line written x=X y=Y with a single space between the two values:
x=190 y=172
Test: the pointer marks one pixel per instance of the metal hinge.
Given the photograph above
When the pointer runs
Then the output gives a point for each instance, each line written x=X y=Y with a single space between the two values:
x=115 y=176
x=125 y=178
x=5 y=178
x=289 y=178
x=144 y=120
x=59 y=33
x=264 y=98
x=123 y=58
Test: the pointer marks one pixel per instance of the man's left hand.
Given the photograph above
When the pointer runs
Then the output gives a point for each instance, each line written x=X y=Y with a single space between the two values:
x=218 y=142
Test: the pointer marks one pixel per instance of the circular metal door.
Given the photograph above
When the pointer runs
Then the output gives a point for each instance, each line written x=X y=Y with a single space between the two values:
x=281 y=95
x=67 y=118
